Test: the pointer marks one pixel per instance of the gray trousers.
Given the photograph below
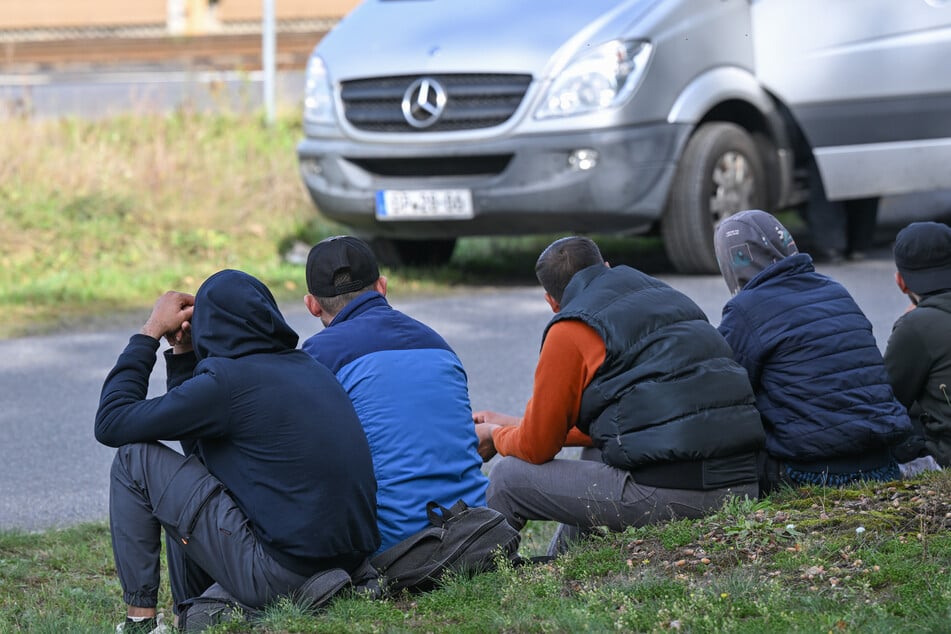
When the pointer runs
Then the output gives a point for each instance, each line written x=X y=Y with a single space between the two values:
x=586 y=493
x=208 y=536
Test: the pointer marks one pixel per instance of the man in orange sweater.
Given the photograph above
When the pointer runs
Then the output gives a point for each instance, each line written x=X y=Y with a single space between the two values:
x=631 y=370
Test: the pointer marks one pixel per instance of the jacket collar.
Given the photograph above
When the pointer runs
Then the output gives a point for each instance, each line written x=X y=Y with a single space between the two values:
x=789 y=265
x=359 y=305
x=580 y=281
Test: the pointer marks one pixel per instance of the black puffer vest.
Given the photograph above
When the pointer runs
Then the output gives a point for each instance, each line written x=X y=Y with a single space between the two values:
x=669 y=403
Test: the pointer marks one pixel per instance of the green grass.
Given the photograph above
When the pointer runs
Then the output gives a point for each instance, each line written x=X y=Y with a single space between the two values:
x=871 y=558
x=98 y=217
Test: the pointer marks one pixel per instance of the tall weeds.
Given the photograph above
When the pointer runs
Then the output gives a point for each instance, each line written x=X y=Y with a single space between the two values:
x=109 y=213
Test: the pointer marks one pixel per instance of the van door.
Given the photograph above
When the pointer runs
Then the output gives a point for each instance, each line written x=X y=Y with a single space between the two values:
x=867 y=82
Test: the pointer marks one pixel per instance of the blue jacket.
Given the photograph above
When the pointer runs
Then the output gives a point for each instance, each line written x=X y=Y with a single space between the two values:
x=411 y=394
x=268 y=422
x=814 y=364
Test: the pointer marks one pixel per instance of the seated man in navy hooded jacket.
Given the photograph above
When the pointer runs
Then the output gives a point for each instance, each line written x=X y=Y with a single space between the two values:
x=277 y=482
x=830 y=415
x=408 y=386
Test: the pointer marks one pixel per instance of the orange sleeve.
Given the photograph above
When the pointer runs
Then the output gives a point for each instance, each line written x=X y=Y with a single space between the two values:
x=569 y=358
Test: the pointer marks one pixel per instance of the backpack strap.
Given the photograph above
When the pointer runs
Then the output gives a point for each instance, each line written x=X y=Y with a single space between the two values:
x=445 y=514
x=437 y=519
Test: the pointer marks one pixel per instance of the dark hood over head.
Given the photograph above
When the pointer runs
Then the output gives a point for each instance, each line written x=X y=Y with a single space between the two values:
x=236 y=315
x=748 y=242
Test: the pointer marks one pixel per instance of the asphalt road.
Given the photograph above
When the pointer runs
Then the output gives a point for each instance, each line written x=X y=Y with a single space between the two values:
x=54 y=473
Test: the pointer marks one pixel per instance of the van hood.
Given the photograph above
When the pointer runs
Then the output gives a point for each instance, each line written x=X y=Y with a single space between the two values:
x=402 y=37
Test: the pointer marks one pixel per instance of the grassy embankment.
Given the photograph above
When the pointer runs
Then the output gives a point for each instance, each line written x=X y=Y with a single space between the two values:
x=99 y=218
x=866 y=559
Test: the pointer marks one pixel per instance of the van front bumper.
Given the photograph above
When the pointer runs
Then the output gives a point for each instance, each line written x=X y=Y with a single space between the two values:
x=537 y=191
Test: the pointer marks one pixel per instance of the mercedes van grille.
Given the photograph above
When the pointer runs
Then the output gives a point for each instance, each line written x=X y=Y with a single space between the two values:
x=472 y=101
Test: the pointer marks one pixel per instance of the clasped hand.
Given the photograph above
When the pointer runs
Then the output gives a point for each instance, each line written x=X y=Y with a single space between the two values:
x=485 y=423
x=171 y=318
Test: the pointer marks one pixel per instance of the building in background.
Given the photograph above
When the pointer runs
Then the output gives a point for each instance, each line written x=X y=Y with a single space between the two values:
x=178 y=16
x=42 y=35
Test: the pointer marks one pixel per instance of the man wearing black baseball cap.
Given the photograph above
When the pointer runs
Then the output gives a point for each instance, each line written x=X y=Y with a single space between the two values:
x=918 y=355
x=407 y=384
x=341 y=265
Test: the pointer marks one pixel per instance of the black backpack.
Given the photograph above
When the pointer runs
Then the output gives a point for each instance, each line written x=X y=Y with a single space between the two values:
x=461 y=539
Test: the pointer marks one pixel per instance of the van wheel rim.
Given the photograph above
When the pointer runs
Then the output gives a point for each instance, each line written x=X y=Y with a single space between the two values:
x=733 y=186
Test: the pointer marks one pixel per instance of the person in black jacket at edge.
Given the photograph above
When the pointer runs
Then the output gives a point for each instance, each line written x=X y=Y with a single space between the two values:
x=918 y=354
x=276 y=481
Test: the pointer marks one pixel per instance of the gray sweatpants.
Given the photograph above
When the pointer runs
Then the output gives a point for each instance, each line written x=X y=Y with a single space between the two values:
x=209 y=538
x=586 y=493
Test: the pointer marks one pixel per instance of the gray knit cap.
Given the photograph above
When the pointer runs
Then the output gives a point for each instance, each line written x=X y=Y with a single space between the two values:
x=748 y=242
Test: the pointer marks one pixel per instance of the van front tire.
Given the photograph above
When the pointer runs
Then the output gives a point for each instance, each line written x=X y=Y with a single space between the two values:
x=721 y=173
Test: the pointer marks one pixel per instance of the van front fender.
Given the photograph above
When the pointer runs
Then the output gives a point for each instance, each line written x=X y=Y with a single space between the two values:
x=734 y=95
x=718 y=86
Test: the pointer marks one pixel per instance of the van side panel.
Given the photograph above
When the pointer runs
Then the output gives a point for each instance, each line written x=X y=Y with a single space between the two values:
x=865 y=81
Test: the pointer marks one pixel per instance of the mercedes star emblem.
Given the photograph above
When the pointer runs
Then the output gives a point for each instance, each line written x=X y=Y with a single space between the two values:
x=423 y=102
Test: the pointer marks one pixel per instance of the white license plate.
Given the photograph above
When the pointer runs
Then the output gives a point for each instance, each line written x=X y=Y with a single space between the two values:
x=423 y=204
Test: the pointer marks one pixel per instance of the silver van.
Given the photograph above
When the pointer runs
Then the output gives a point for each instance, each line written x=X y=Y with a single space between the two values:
x=428 y=120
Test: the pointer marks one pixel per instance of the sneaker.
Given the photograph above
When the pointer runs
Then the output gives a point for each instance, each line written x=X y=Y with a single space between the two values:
x=918 y=466
x=566 y=535
x=154 y=625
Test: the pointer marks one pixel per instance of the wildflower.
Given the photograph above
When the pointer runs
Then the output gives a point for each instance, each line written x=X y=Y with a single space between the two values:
x=859 y=530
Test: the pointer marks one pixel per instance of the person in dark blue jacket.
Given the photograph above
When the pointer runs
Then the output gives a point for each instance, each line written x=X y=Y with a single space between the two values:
x=276 y=483
x=408 y=386
x=830 y=415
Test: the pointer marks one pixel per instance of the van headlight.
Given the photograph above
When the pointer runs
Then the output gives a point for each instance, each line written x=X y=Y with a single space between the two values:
x=596 y=79
x=318 y=94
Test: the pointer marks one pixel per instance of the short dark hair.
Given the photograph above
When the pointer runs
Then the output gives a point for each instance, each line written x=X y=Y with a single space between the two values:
x=562 y=259
x=333 y=305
